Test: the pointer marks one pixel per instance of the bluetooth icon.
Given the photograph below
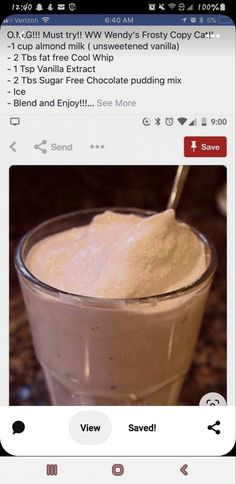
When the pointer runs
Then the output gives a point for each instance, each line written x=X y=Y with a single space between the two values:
x=157 y=121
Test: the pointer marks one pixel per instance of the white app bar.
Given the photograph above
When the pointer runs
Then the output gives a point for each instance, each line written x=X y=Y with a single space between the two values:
x=148 y=431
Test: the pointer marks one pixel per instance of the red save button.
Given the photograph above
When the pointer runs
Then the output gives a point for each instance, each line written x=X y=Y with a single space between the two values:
x=205 y=146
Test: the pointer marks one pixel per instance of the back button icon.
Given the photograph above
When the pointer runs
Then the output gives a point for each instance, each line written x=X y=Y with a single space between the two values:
x=183 y=469
x=12 y=146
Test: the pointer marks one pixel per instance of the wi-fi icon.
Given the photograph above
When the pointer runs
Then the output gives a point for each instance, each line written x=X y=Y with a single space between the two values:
x=172 y=5
x=45 y=19
x=182 y=121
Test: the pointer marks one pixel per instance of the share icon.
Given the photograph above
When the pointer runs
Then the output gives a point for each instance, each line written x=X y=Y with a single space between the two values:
x=212 y=427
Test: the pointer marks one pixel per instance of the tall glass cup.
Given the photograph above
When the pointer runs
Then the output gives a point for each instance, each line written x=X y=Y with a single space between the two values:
x=96 y=351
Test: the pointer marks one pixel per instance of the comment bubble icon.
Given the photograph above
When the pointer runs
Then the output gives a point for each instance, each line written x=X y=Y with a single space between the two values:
x=18 y=427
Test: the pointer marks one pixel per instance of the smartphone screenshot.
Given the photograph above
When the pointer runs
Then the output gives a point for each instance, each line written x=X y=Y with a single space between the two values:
x=117 y=247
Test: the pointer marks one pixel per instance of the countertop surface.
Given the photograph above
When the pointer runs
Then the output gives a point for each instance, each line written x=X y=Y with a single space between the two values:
x=38 y=193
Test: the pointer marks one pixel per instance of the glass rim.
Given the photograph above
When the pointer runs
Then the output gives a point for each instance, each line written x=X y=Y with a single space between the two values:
x=24 y=271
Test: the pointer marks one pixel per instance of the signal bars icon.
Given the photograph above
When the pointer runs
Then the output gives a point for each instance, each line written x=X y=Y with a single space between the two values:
x=51 y=469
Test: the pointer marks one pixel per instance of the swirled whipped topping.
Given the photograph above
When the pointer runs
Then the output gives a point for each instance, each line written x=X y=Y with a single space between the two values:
x=120 y=256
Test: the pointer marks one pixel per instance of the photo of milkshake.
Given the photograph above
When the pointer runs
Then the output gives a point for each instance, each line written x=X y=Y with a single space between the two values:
x=117 y=285
x=115 y=300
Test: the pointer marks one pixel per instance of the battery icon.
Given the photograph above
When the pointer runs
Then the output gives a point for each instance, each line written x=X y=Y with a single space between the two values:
x=223 y=20
x=222 y=7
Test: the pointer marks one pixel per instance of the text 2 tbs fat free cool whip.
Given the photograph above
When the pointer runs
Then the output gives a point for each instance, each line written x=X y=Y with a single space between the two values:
x=115 y=350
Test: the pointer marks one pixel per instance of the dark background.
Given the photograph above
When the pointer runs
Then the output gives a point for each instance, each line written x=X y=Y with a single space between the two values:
x=119 y=6
x=40 y=192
